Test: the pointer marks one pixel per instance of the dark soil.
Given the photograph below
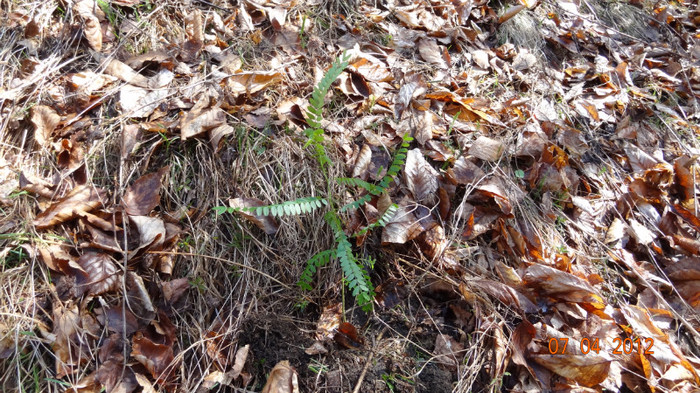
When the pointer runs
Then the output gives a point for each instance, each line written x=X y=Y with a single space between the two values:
x=398 y=363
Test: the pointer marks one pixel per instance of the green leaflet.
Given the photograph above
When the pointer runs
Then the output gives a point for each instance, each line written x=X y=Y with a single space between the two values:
x=314 y=114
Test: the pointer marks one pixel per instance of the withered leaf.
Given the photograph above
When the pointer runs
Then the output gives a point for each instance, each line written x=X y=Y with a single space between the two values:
x=81 y=199
x=91 y=25
x=328 y=322
x=157 y=358
x=136 y=101
x=45 y=120
x=465 y=172
x=421 y=178
x=143 y=195
x=267 y=223
x=588 y=370
x=241 y=357
x=195 y=123
x=283 y=379
x=561 y=285
x=122 y=71
x=346 y=335
x=486 y=149
x=151 y=231
x=251 y=82
x=403 y=227
x=101 y=274
x=431 y=52
x=448 y=351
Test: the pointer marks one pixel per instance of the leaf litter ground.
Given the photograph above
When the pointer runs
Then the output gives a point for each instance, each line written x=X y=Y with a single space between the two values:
x=545 y=233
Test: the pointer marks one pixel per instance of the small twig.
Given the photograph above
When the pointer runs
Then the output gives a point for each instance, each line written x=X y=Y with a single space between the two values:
x=369 y=361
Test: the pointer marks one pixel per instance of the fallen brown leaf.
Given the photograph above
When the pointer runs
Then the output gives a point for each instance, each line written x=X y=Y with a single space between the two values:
x=143 y=195
x=283 y=379
x=80 y=200
x=267 y=223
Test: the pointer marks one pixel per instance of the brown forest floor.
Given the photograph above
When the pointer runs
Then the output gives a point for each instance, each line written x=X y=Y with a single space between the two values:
x=541 y=233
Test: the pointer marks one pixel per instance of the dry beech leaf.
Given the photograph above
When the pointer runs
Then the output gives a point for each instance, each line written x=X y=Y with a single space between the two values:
x=66 y=331
x=216 y=134
x=277 y=16
x=157 y=358
x=402 y=228
x=421 y=178
x=91 y=25
x=81 y=199
x=251 y=82
x=486 y=149
x=101 y=274
x=506 y=295
x=195 y=36
x=45 y=120
x=241 y=357
x=283 y=379
x=36 y=185
x=267 y=223
x=58 y=259
x=194 y=123
x=511 y=12
x=551 y=282
x=328 y=322
x=465 y=172
x=448 y=351
x=151 y=231
x=430 y=51
x=174 y=290
x=143 y=195
x=315 y=349
x=346 y=335
x=122 y=71
x=138 y=102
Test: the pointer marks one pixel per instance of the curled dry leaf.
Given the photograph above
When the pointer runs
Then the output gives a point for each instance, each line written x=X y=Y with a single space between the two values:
x=487 y=149
x=346 y=335
x=588 y=369
x=91 y=25
x=66 y=331
x=195 y=123
x=143 y=195
x=58 y=259
x=431 y=52
x=122 y=71
x=157 y=358
x=448 y=351
x=267 y=223
x=251 y=82
x=561 y=285
x=80 y=200
x=421 y=178
x=45 y=121
x=328 y=322
x=139 y=102
x=241 y=357
x=403 y=227
x=283 y=379
x=101 y=274
x=151 y=231
x=465 y=172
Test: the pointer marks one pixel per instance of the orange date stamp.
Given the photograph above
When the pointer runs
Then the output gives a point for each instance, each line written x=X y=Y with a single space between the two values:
x=587 y=345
